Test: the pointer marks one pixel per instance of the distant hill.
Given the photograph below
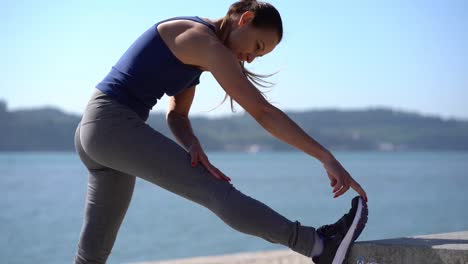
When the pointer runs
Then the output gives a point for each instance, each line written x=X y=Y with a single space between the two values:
x=49 y=129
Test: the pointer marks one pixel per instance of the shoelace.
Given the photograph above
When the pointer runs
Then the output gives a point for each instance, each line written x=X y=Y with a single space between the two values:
x=328 y=230
x=333 y=229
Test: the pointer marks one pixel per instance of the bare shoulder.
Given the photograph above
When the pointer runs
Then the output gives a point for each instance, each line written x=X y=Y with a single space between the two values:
x=192 y=42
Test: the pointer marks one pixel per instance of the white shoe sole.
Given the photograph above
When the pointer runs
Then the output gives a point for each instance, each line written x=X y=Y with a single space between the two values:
x=343 y=248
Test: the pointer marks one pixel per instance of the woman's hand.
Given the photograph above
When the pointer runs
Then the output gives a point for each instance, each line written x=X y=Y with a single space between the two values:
x=340 y=179
x=198 y=155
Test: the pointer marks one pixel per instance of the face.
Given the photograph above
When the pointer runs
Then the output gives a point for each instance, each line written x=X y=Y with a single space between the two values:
x=248 y=42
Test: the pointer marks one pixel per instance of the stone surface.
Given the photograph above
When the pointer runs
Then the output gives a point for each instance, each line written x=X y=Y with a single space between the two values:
x=262 y=257
x=447 y=248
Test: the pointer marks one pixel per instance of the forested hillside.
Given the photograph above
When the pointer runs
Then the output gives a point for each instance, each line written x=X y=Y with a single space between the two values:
x=49 y=129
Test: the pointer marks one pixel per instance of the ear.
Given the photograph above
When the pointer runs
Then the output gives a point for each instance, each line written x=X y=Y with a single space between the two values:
x=246 y=18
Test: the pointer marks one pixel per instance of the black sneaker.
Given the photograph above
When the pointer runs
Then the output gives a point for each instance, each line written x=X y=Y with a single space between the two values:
x=338 y=237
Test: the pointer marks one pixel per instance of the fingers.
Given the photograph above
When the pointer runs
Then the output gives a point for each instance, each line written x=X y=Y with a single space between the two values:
x=222 y=176
x=345 y=187
x=215 y=171
x=359 y=190
x=333 y=180
x=339 y=187
x=337 y=184
x=342 y=184
x=195 y=158
x=341 y=191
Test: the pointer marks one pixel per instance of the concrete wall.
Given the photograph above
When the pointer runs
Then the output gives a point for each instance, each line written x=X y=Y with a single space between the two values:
x=447 y=248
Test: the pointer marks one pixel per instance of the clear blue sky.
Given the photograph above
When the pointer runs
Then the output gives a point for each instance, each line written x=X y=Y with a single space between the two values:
x=407 y=55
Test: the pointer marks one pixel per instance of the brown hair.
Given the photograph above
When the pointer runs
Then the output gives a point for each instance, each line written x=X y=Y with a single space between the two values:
x=266 y=17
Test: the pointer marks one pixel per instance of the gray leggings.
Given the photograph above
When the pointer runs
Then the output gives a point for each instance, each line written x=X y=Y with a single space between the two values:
x=116 y=145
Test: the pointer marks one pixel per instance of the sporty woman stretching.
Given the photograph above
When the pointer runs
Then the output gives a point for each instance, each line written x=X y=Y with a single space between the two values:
x=116 y=144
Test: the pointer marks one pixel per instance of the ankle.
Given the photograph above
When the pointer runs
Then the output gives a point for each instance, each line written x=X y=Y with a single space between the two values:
x=318 y=246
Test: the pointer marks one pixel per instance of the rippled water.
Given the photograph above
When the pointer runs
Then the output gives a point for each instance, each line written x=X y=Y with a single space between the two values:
x=409 y=194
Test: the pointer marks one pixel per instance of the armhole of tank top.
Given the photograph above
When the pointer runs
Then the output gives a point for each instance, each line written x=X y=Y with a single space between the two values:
x=201 y=21
x=195 y=19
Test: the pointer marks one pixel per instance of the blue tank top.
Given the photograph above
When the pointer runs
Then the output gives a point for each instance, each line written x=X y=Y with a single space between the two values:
x=148 y=70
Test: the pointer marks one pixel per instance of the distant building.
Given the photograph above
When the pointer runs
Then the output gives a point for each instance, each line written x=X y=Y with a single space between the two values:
x=386 y=146
x=252 y=148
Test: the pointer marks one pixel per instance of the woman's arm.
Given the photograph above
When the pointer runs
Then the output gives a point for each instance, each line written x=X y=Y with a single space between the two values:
x=199 y=46
x=227 y=71
x=221 y=62
x=177 y=117
x=282 y=127
x=179 y=123
x=277 y=123
x=202 y=48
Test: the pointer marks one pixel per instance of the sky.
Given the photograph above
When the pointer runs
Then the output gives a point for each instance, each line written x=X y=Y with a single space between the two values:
x=346 y=55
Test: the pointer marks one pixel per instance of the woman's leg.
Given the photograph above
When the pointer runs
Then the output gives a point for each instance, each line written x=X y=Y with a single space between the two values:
x=114 y=136
x=108 y=196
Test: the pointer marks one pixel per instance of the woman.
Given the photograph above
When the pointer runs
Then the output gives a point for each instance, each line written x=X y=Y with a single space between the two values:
x=116 y=145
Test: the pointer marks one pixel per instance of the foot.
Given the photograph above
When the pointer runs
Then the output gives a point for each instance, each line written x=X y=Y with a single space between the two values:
x=338 y=237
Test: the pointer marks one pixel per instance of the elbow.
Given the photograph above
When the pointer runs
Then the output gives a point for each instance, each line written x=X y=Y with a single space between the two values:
x=170 y=116
x=174 y=115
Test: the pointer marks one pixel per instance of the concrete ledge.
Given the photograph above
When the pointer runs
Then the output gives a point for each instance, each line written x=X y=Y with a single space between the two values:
x=448 y=248
x=260 y=257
